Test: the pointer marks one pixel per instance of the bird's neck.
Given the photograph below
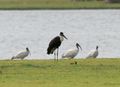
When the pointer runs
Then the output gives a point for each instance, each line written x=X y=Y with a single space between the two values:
x=28 y=51
x=96 y=49
x=61 y=38
x=77 y=47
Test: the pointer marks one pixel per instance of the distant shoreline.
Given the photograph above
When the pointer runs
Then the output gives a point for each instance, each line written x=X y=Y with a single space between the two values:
x=59 y=9
x=55 y=5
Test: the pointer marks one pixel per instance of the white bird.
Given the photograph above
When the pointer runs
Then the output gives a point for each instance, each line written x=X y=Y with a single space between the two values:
x=71 y=53
x=21 y=55
x=93 y=53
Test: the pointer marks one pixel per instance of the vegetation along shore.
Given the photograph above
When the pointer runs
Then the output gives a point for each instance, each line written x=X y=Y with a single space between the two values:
x=58 y=4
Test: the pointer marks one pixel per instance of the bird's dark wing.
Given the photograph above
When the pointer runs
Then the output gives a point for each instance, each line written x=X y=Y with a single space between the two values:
x=54 y=43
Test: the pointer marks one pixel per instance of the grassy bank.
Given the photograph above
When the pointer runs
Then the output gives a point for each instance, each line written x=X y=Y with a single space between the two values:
x=46 y=73
x=55 y=4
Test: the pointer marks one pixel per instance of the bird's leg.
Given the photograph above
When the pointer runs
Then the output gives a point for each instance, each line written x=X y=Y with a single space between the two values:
x=54 y=56
x=57 y=53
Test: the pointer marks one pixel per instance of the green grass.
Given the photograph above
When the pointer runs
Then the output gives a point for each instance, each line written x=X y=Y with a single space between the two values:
x=55 y=4
x=47 y=73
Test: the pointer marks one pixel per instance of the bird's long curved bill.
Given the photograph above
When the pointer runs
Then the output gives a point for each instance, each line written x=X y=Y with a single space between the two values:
x=64 y=36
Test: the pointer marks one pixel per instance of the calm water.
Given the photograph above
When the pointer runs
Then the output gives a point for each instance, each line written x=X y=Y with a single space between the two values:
x=35 y=28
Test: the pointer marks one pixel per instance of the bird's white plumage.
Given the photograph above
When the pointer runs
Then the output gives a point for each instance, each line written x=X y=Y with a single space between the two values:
x=61 y=38
x=21 y=55
x=71 y=53
x=93 y=53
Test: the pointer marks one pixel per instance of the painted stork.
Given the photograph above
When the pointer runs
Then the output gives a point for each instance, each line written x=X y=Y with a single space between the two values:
x=93 y=53
x=71 y=53
x=21 y=55
x=54 y=44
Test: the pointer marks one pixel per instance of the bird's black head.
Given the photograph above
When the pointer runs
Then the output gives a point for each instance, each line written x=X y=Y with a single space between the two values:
x=62 y=34
x=96 y=47
x=78 y=45
x=27 y=49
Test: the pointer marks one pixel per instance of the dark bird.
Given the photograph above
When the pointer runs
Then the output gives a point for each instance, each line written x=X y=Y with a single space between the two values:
x=54 y=44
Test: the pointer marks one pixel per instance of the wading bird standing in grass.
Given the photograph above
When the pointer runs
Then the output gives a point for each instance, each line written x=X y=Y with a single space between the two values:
x=21 y=55
x=54 y=44
x=71 y=53
x=93 y=53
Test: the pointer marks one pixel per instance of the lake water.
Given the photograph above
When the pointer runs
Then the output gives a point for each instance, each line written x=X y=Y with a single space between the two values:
x=35 y=29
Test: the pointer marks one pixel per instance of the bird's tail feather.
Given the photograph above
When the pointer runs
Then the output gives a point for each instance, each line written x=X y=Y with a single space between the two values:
x=12 y=58
x=50 y=51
